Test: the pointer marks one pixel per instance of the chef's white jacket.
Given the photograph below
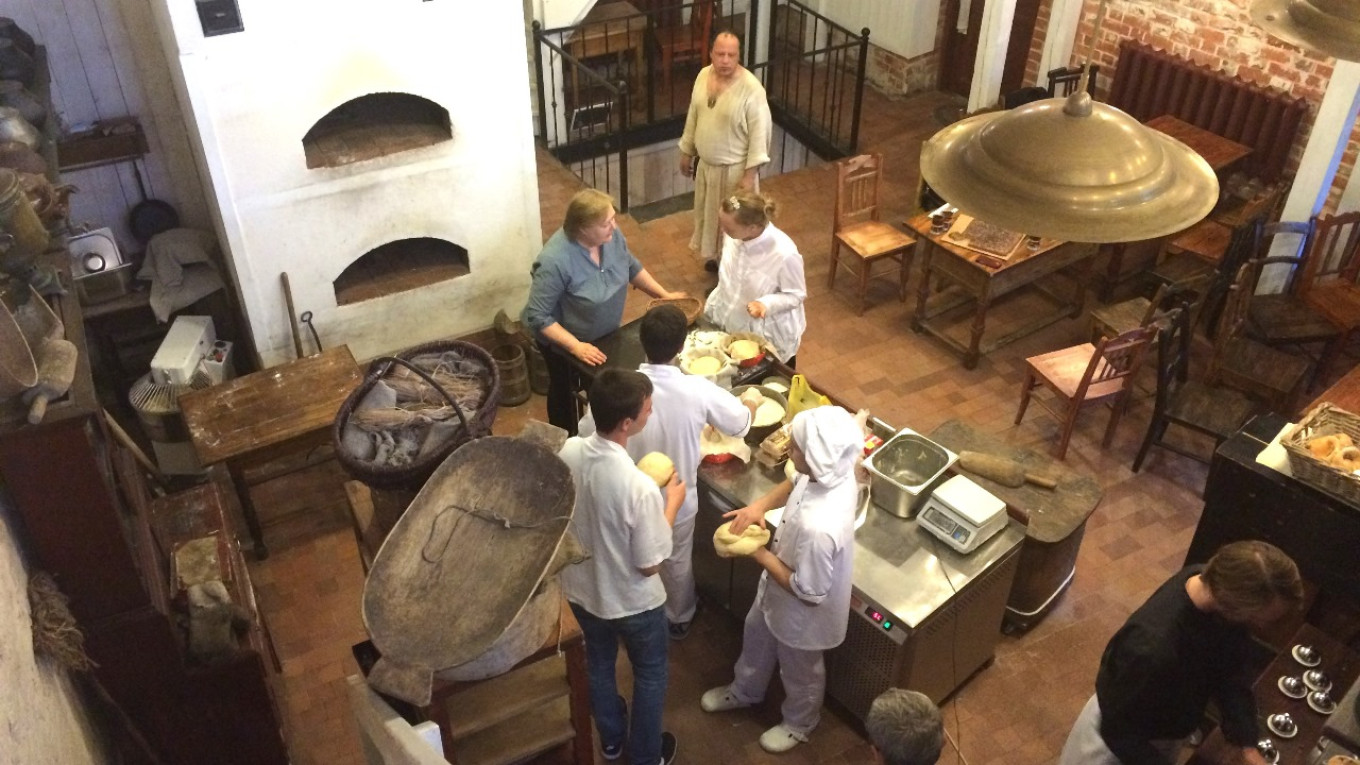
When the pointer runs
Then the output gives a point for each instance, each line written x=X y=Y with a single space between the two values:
x=768 y=268
x=621 y=519
x=816 y=538
x=681 y=405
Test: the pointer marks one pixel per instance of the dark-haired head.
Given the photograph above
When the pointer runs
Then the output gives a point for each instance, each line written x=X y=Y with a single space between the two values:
x=663 y=333
x=618 y=397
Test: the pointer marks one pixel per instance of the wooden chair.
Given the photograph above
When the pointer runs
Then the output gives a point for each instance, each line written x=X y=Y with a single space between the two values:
x=1200 y=248
x=1063 y=80
x=856 y=226
x=1329 y=281
x=1214 y=411
x=1245 y=364
x=1243 y=247
x=1284 y=318
x=1084 y=374
x=1118 y=318
x=686 y=43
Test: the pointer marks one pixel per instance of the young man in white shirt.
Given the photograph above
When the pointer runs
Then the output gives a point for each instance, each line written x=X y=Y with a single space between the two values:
x=624 y=521
x=803 y=604
x=681 y=405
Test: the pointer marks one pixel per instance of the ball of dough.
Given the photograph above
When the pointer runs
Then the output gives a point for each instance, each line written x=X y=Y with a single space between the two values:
x=704 y=366
x=741 y=350
x=729 y=545
x=658 y=467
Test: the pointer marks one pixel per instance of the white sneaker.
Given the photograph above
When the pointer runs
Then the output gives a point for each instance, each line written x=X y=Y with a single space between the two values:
x=720 y=699
x=780 y=739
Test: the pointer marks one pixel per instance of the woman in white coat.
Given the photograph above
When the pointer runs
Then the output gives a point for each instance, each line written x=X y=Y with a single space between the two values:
x=803 y=604
x=761 y=287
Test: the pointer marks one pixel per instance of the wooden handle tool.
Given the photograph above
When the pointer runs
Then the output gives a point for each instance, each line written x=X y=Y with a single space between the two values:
x=1004 y=471
x=56 y=372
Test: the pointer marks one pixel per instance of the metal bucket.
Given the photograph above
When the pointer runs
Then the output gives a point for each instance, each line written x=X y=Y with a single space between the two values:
x=905 y=470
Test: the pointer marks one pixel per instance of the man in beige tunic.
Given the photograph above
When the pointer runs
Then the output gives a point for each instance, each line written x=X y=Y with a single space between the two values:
x=728 y=132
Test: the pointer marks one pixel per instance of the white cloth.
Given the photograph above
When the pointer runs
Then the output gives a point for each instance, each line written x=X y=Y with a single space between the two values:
x=620 y=519
x=831 y=441
x=181 y=266
x=769 y=269
x=803 y=674
x=1084 y=745
x=815 y=538
x=681 y=405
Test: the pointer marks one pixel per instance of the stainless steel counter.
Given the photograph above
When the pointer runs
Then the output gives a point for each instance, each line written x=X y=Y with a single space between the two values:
x=900 y=567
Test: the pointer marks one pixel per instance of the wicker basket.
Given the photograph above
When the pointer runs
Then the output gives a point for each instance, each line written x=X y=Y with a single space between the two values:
x=411 y=477
x=1325 y=420
x=692 y=306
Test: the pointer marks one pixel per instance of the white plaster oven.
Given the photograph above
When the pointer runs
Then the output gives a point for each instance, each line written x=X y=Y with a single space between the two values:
x=251 y=97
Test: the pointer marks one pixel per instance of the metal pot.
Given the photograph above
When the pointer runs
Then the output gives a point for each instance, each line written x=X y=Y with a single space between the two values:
x=904 y=470
x=758 y=433
x=14 y=94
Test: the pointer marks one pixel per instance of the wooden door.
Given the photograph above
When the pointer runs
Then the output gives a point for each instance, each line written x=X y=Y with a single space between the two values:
x=1022 y=39
x=960 y=50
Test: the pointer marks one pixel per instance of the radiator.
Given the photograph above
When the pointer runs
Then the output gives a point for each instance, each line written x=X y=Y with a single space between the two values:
x=1149 y=83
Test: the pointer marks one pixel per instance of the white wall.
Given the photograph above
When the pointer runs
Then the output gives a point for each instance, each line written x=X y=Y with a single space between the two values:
x=42 y=715
x=253 y=95
x=106 y=62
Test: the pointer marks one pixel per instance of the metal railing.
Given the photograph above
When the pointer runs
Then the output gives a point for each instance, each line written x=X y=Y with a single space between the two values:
x=814 y=78
x=624 y=79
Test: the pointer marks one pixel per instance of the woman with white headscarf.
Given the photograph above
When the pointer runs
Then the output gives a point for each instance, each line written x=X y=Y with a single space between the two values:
x=803 y=603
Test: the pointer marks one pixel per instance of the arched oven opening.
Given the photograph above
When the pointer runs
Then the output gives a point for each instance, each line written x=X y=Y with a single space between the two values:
x=398 y=266
x=373 y=126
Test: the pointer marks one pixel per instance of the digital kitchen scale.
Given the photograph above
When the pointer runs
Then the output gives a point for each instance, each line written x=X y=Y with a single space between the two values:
x=963 y=514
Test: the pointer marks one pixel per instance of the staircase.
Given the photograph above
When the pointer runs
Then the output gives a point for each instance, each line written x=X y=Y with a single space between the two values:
x=509 y=718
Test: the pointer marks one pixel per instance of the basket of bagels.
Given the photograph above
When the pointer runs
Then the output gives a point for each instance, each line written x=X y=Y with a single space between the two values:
x=1324 y=451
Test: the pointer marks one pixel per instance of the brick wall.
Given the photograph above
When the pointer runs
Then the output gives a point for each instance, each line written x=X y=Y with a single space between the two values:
x=1218 y=34
x=897 y=76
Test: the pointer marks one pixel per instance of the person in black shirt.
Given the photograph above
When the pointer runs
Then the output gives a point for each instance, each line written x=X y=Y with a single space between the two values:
x=1181 y=649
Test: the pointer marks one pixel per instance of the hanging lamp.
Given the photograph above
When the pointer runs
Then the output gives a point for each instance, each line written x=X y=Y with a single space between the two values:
x=1325 y=26
x=1070 y=169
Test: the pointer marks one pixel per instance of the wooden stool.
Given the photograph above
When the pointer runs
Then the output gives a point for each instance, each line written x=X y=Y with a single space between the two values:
x=1055 y=521
x=539 y=705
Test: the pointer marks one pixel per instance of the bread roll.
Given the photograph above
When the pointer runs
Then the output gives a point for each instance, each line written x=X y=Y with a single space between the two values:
x=704 y=366
x=658 y=467
x=741 y=350
x=729 y=545
x=1323 y=446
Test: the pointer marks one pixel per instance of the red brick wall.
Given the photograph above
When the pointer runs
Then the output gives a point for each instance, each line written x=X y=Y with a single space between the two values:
x=1218 y=34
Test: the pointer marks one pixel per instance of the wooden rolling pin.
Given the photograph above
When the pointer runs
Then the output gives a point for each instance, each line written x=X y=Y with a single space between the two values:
x=1003 y=471
x=56 y=372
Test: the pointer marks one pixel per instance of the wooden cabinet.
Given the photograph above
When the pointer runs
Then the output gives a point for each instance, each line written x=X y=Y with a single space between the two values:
x=85 y=512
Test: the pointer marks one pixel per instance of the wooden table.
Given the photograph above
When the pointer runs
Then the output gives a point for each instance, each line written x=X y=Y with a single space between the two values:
x=983 y=284
x=1341 y=666
x=609 y=28
x=257 y=418
x=1055 y=520
x=1221 y=153
x=1344 y=394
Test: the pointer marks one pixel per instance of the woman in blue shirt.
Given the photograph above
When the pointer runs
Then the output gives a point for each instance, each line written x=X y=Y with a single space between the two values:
x=577 y=295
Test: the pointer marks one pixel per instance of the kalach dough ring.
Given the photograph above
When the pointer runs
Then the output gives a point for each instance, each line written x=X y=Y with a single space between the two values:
x=1323 y=447
x=729 y=545
x=658 y=467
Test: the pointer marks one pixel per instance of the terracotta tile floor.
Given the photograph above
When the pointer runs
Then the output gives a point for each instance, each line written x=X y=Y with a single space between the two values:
x=1016 y=711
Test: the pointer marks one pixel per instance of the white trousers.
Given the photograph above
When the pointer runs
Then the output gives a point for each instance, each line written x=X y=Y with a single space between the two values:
x=802 y=672
x=677 y=574
x=1085 y=746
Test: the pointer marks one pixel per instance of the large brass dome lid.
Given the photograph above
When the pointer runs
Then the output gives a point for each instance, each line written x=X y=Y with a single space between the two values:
x=1326 y=26
x=1070 y=169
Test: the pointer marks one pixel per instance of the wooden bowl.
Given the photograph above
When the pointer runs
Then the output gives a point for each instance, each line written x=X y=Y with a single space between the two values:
x=692 y=306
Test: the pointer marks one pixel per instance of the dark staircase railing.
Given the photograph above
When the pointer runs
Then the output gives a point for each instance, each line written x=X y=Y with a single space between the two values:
x=603 y=87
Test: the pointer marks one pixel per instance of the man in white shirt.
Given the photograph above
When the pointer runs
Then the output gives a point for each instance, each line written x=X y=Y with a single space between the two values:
x=681 y=405
x=803 y=605
x=624 y=521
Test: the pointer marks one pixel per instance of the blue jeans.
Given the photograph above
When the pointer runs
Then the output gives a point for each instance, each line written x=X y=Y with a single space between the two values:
x=646 y=640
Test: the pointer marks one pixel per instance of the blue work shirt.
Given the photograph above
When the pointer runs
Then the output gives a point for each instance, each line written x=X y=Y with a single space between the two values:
x=569 y=289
